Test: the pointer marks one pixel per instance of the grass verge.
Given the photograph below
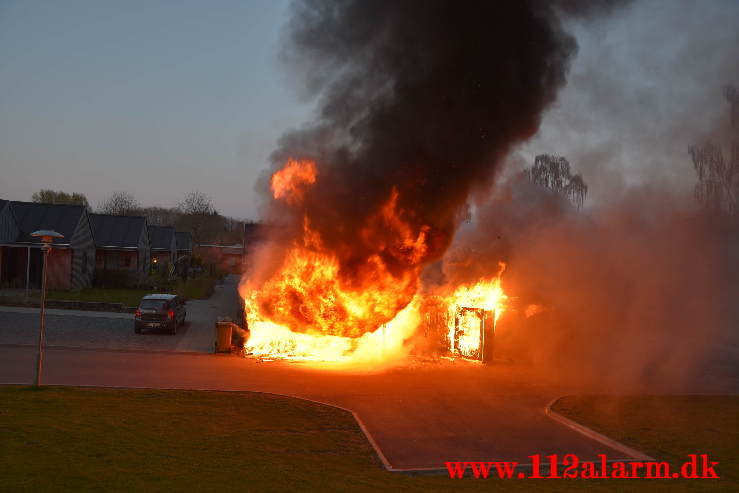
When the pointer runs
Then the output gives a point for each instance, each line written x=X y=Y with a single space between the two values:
x=83 y=439
x=127 y=296
x=198 y=289
x=665 y=427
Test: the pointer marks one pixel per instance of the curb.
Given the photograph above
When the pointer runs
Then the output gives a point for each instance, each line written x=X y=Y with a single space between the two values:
x=594 y=435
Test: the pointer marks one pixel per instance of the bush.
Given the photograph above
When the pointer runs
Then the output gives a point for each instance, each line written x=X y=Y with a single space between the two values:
x=158 y=278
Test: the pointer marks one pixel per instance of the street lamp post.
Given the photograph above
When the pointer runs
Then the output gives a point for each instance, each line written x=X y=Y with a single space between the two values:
x=47 y=237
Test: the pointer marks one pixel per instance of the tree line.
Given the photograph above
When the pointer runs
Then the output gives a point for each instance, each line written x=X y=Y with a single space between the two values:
x=195 y=213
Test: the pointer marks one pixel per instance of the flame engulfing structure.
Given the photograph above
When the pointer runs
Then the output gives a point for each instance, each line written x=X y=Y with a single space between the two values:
x=417 y=104
x=308 y=310
x=473 y=311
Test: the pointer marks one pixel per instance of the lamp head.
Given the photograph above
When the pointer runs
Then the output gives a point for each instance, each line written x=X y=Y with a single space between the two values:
x=47 y=235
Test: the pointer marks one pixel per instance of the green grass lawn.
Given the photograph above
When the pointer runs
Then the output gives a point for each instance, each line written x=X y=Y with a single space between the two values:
x=80 y=439
x=665 y=427
x=127 y=296
x=199 y=288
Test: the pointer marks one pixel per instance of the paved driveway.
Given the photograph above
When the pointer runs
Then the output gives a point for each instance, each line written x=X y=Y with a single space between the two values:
x=103 y=330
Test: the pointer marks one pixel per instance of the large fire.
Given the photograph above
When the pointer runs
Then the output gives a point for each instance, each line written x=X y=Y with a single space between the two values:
x=308 y=310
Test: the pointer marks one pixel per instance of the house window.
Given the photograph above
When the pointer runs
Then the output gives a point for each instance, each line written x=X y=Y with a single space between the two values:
x=127 y=261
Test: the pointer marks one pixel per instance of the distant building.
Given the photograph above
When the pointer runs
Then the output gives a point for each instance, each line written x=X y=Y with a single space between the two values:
x=228 y=257
x=121 y=245
x=163 y=245
x=71 y=261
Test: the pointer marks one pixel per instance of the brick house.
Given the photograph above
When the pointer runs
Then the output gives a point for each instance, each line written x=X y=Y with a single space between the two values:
x=163 y=245
x=71 y=261
x=183 y=240
x=121 y=245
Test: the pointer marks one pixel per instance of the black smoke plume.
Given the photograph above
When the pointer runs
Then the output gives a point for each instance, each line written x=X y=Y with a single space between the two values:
x=425 y=98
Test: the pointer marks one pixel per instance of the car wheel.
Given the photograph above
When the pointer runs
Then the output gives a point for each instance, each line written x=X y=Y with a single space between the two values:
x=173 y=328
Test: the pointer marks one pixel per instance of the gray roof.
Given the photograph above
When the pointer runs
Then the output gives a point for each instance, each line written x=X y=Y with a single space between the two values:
x=116 y=231
x=184 y=240
x=31 y=216
x=160 y=237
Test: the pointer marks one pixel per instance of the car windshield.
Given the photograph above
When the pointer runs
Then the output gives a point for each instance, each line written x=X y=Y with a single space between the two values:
x=153 y=305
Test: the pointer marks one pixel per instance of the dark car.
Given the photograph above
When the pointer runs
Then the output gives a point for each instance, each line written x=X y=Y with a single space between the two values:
x=160 y=311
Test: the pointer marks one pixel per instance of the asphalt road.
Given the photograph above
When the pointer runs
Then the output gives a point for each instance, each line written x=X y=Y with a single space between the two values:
x=101 y=330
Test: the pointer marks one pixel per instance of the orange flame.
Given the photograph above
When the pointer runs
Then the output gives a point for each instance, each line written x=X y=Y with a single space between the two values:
x=308 y=295
x=290 y=182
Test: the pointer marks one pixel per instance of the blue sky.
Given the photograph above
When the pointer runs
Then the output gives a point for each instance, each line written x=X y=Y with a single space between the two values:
x=156 y=98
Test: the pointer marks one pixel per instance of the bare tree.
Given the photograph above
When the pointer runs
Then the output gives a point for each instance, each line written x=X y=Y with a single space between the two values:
x=718 y=177
x=59 y=197
x=159 y=216
x=196 y=203
x=553 y=172
x=119 y=204
x=199 y=216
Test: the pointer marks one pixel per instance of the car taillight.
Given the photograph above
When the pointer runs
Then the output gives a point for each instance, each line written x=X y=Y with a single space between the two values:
x=138 y=314
x=170 y=314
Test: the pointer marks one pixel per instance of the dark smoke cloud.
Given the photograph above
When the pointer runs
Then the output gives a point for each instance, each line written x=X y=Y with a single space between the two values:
x=427 y=97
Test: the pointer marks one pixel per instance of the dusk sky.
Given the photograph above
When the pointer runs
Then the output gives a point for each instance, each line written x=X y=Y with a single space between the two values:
x=159 y=98
x=153 y=98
